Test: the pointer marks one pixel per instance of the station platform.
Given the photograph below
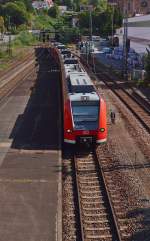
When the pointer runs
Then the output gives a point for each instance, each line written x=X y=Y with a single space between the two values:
x=30 y=158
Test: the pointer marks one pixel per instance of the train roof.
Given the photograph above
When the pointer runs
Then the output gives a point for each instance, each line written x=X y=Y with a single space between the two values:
x=71 y=61
x=77 y=79
x=73 y=68
x=80 y=83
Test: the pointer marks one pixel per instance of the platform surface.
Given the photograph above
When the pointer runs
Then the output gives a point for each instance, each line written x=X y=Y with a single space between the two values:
x=30 y=158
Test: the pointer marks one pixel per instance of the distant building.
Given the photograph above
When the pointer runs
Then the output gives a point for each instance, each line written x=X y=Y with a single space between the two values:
x=134 y=7
x=62 y=9
x=46 y=4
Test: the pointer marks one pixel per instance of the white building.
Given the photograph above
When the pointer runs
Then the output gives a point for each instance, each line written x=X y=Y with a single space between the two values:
x=46 y=4
x=138 y=33
x=62 y=9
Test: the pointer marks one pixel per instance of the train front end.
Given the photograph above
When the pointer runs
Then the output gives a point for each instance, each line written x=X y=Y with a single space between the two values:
x=85 y=117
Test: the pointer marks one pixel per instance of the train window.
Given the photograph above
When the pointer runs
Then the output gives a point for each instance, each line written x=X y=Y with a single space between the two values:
x=66 y=52
x=83 y=89
x=71 y=61
x=85 y=117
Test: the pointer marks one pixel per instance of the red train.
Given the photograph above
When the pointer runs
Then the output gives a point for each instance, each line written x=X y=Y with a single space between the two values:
x=84 y=110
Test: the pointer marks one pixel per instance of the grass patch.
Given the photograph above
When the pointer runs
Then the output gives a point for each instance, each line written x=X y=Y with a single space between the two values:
x=19 y=47
x=24 y=38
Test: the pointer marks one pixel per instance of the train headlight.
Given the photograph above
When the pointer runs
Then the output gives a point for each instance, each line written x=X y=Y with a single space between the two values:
x=102 y=129
x=69 y=131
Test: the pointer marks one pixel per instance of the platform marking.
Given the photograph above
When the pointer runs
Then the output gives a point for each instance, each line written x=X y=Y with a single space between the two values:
x=4 y=148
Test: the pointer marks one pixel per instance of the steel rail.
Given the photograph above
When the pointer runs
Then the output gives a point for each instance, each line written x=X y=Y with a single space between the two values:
x=15 y=64
x=107 y=197
x=78 y=198
x=138 y=111
x=130 y=92
x=143 y=111
x=12 y=84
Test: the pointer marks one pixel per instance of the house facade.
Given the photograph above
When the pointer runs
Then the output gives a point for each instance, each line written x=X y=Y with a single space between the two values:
x=134 y=7
x=46 y=4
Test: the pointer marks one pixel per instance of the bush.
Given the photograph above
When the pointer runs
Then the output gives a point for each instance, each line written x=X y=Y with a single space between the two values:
x=53 y=11
x=25 y=39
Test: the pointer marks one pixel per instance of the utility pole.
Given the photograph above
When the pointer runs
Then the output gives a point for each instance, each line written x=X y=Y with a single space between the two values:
x=90 y=7
x=125 y=38
x=9 y=41
x=112 y=30
x=91 y=30
x=112 y=3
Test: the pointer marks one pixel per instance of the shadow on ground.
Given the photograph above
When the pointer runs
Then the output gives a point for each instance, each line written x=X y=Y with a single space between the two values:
x=39 y=126
x=143 y=234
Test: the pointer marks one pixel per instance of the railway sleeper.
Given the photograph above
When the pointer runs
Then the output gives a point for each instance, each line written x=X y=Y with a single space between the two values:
x=90 y=187
x=95 y=215
x=89 y=182
x=100 y=201
x=115 y=195
x=92 y=196
x=85 y=162
x=125 y=235
x=97 y=225
x=95 y=222
x=123 y=228
x=86 y=192
x=98 y=229
x=88 y=177
x=94 y=205
x=88 y=170
x=98 y=237
x=94 y=208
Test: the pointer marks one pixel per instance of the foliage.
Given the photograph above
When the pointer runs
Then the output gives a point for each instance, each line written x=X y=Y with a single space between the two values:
x=102 y=21
x=68 y=35
x=17 y=12
x=43 y=22
x=147 y=65
x=1 y=24
x=24 y=38
x=53 y=11
x=27 y=3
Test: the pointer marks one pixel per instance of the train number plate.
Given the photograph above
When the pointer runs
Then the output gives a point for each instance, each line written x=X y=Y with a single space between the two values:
x=86 y=132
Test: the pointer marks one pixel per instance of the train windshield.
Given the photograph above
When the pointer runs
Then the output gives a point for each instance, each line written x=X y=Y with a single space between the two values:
x=85 y=117
x=71 y=61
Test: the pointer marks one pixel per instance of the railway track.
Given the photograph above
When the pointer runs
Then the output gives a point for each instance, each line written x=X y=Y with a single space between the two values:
x=94 y=207
x=134 y=102
x=10 y=81
x=14 y=65
x=71 y=224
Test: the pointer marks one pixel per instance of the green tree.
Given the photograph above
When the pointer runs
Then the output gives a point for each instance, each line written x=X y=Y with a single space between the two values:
x=53 y=11
x=102 y=21
x=1 y=24
x=17 y=13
